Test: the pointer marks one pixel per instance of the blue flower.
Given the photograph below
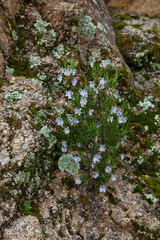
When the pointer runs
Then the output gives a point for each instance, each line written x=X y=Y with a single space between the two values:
x=59 y=121
x=102 y=189
x=78 y=181
x=108 y=169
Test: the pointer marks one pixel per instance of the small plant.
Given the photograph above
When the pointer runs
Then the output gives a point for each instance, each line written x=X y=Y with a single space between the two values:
x=93 y=125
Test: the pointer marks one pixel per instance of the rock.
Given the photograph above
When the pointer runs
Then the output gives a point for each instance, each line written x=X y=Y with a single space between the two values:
x=136 y=7
x=139 y=43
x=82 y=210
x=24 y=228
x=17 y=136
x=7 y=210
x=42 y=35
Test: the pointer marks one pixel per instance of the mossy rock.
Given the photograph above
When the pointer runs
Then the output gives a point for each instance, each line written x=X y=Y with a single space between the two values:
x=154 y=184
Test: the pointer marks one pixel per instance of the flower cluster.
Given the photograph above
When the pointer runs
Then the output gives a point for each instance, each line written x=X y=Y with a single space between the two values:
x=93 y=124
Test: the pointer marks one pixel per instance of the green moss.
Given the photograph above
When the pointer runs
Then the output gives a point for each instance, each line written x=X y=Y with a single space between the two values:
x=119 y=26
x=156 y=38
x=61 y=234
x=138 y=188
x=73 y=21
x=137 y=26
x=68 y=182
x=6 y=21
x=1 y=83
x=148 y=143
x=14 y=122
x=21 y=67
x=136 y=38
x=146 y=76
x=125 y=17
x=112 y=199
x=100 y=237
x=54 y=224
x=84 y=200
x=155 y=30
x=147 y=119
x=154 y=184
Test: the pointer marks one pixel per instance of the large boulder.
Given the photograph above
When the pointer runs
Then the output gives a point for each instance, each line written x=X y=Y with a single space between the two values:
x=136 y=7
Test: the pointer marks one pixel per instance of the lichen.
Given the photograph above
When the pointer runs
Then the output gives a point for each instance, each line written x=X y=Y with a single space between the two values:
x=87 y=27
x=41 y=25
x=67 y=163
x=13 y=96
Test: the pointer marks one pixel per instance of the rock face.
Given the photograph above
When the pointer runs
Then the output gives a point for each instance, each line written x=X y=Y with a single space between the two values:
x=25 y=228
x=136 y=7
x=36 y=37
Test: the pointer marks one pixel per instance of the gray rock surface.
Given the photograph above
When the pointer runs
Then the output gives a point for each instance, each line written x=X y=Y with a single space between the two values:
x=29 y=65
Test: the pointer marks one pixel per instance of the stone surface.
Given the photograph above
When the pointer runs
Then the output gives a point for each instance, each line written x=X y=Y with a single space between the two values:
x=84 y=212
x=16 y=134
x=24 y=228
x=67 y=212
x=139 y=43
x=136 y=7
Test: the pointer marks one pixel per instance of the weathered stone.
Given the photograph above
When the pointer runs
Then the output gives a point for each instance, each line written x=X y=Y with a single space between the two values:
x=136 y=7
x=24 y=228
x=16 y=135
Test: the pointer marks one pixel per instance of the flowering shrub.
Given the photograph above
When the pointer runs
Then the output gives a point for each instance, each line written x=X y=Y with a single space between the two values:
x=93 y=125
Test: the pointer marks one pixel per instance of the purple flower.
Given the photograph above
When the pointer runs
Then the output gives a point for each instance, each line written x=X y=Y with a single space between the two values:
x=110 y=119
x=116 y=94
x=102 y=83
x=96 y=158
x=108 y=169
x=91 y=84
x=90 y=112
x=114 y=110
x=59 y=77
x=83 y=102
x=78 y=111
x=74 y=82
x=68 y=72
x=62 y=70
x=75 y=121
x=78 y=181
x=102 y=148
x=122 y=156
x=69 y=94
x=79 y=145
x=95 y=175
x=92 y=64
x=122 y=119
x=123 y=139
x=114 y=177
x=59 y=121
x=66 y=130
x=74 y=72
x=77 y=158
x=64 y=146
x=102 y=189
x=83 y=93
